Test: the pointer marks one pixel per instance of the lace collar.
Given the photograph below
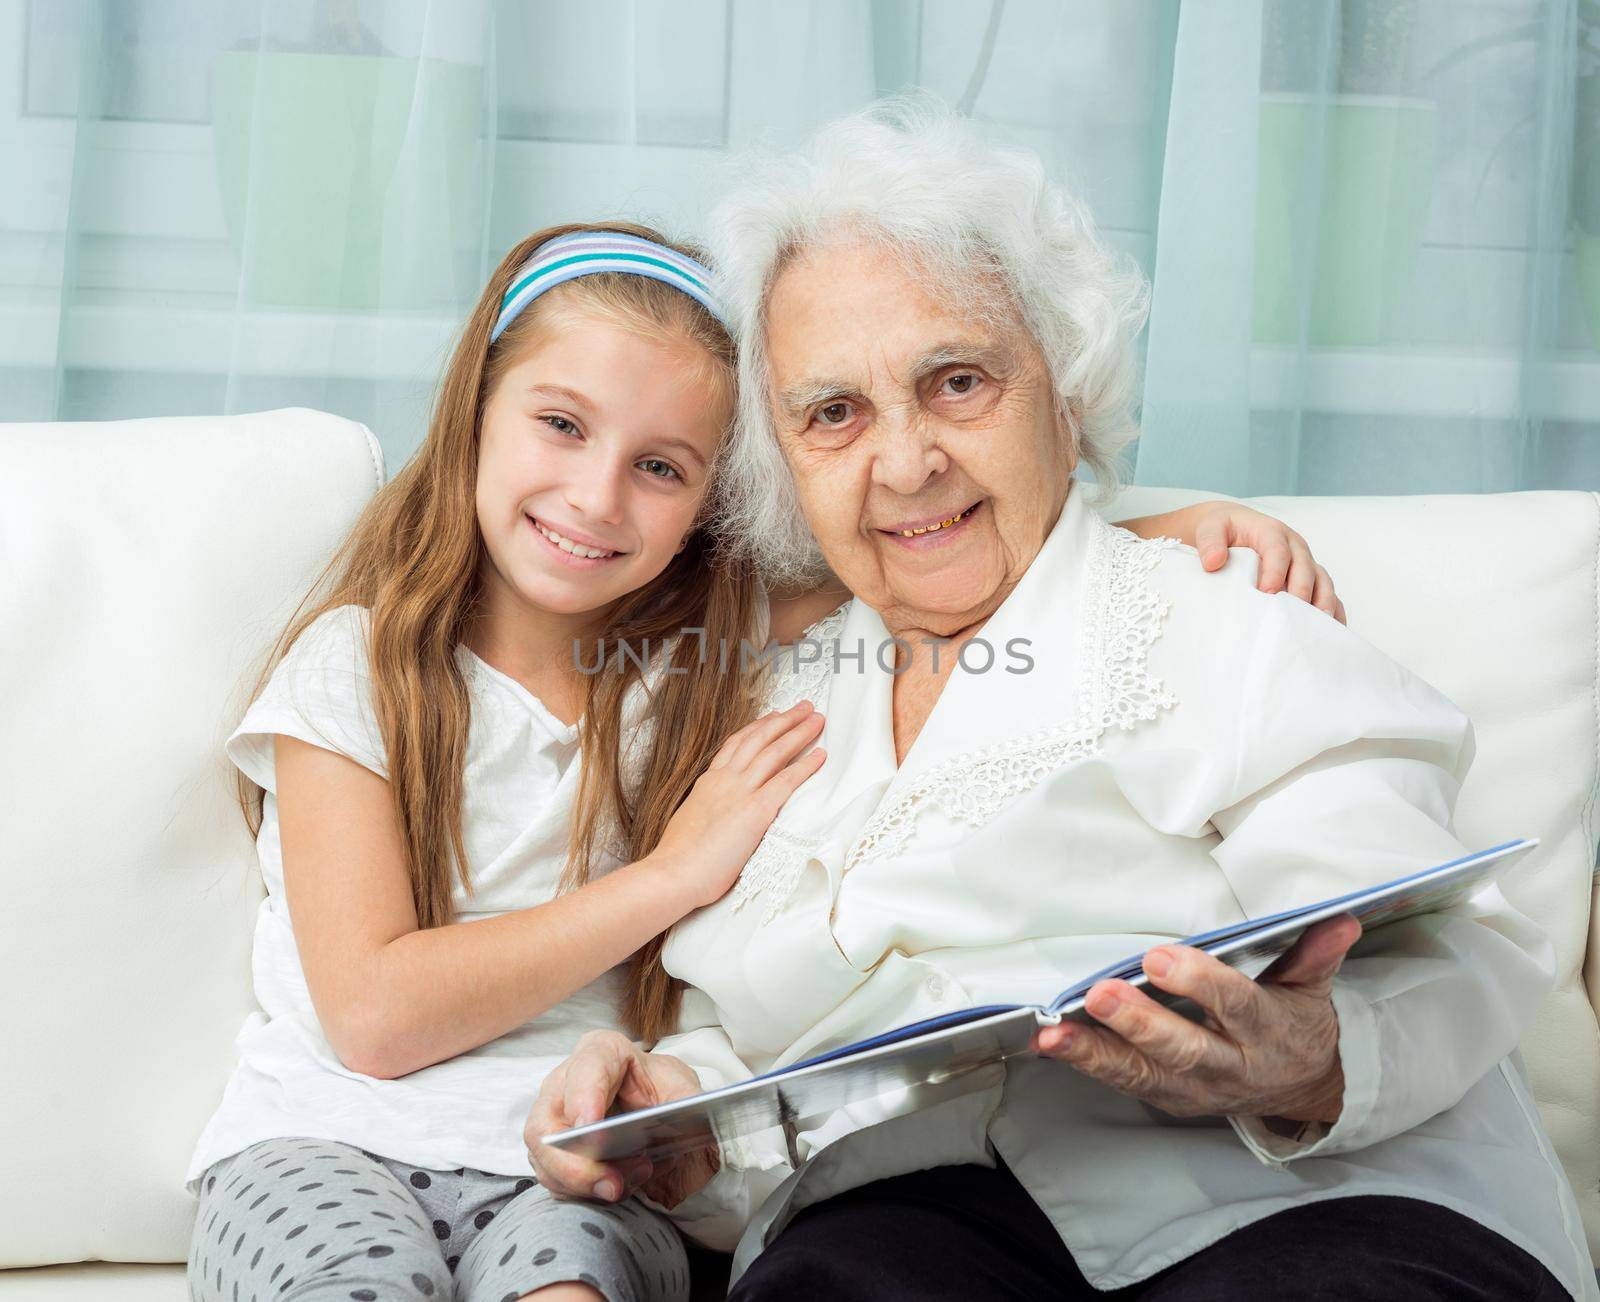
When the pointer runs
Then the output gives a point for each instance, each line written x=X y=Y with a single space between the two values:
x=1120 y=615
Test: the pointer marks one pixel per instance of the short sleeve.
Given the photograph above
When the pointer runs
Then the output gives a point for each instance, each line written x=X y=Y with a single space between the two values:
x=319 y=693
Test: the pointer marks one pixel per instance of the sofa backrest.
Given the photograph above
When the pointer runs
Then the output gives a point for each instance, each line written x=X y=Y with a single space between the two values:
x=1495 y=600
x=144 y=568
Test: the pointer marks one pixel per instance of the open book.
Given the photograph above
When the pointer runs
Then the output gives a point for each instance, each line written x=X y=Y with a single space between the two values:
x=927 y=1061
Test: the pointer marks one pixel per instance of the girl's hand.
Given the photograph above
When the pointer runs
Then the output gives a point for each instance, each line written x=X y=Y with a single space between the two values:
x=731 y=805
x=1286 y=561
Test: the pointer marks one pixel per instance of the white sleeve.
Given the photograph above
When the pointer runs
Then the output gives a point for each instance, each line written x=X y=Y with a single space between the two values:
x=752 y=1167
x=319 y=693
x=1347 y=778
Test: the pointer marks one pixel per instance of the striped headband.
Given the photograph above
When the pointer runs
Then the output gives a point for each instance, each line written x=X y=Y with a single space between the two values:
x=584 y=253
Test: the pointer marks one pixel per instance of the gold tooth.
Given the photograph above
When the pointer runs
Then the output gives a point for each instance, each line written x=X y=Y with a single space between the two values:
x=943 y=524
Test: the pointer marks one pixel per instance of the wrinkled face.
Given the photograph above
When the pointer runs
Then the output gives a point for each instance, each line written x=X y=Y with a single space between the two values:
x=593 y=460
x=927 y=451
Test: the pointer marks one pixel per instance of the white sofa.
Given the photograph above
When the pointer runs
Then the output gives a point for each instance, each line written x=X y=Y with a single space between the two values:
x=144 y=565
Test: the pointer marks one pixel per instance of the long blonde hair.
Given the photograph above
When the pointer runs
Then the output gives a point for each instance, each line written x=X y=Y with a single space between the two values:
x=413 y=558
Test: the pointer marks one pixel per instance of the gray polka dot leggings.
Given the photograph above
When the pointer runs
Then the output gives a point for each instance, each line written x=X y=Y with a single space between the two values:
x=309 y=1218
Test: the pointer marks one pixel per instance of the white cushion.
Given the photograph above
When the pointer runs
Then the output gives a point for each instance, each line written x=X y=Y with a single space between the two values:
x=1495 y=600
x=146 y=566
x=96 y=1281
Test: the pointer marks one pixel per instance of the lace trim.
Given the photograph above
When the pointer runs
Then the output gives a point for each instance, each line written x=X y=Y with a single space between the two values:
x=1115 y=689
x=793 y=679
x=1122 y=618
x=773 y=871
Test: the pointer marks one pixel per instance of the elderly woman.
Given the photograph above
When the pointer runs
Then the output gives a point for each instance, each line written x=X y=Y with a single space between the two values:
x=1051 y=743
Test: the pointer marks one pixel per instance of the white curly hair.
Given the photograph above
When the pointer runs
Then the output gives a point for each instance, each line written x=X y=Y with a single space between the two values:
x=971 y=219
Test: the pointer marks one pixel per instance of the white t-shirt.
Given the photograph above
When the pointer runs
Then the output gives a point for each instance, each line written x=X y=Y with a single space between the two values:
x=520 y=782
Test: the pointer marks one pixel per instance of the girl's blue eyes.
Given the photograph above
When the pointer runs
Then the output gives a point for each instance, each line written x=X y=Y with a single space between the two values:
x=666 y=470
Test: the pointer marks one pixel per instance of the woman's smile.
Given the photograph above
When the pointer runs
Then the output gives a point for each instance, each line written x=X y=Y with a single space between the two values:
x=929 y=534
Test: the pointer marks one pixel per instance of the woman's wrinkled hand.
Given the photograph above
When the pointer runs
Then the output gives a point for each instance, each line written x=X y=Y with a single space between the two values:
x=1266 y=1048
x=608 y=1073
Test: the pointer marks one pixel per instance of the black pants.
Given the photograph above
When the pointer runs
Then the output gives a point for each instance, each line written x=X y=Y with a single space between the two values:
x=966 y=1233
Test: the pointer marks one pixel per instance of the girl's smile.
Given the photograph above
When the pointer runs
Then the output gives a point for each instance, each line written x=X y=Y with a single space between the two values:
x=572 y=548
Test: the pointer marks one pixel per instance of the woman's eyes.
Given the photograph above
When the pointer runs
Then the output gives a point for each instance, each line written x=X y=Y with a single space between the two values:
x=560 y=423
x=958 y=384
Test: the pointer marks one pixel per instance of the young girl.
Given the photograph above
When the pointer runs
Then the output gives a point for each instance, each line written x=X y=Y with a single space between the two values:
x=434 y=939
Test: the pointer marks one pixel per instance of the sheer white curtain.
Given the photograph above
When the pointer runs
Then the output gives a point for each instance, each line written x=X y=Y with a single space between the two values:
x=1365 y=218
x=239 y=204
x=1379 y=259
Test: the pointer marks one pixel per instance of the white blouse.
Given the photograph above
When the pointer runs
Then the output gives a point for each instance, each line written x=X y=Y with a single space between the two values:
x=1184 y=752
x=520 y=782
